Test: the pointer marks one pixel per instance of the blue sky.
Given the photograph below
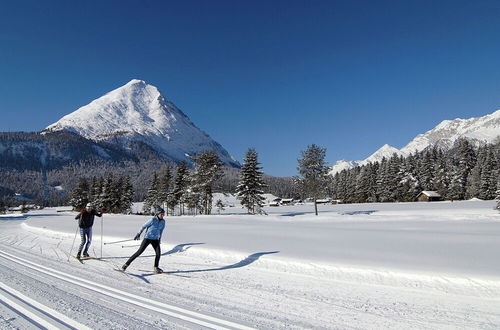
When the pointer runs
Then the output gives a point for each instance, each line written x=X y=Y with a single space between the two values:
x=273 y=75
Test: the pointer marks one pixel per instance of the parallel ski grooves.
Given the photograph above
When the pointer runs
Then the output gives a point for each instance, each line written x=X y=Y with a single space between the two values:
x=36 y=312
x=174 y=311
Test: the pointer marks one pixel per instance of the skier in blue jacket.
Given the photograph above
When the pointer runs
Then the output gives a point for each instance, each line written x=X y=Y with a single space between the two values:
x=154 y=229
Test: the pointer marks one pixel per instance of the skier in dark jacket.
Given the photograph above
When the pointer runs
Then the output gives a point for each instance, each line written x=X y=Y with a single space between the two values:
x=154 y=229
x=85 y=222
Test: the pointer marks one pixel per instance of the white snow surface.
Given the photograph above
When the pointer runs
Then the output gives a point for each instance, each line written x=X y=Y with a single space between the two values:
x=138 y=111
x=376 y=266
x=479 y=131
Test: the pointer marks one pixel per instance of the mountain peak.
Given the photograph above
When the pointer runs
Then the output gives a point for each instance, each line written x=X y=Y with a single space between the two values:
x=138 y=112
x=479 y=130
x=135 y=82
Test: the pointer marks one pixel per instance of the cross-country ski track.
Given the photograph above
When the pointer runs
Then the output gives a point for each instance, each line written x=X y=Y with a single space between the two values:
x=45 y=318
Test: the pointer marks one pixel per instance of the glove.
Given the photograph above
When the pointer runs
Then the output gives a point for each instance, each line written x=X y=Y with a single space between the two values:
x=137 y=237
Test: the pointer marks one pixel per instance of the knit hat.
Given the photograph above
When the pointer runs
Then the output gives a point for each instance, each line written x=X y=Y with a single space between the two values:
x=159 y=210
x=90 y=205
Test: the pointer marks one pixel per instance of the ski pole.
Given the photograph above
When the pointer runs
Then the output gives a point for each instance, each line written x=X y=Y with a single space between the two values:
x=127 y=246
x=125 y=240
x=71 y=251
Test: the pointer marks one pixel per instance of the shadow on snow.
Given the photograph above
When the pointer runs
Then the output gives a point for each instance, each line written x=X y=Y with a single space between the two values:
x=245 y=262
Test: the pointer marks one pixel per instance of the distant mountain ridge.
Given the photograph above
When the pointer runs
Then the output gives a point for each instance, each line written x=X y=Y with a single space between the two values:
x=138 y=113
x=478 y=131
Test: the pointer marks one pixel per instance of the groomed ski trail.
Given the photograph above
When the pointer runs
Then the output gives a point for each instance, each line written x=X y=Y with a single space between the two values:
x=146 y=303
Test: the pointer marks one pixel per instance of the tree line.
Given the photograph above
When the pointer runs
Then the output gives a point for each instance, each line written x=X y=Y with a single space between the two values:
x=191 y=191
x=463 y=172
x=109 y=194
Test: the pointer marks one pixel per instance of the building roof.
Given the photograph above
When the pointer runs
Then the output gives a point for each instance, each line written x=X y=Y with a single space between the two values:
x=430 y=193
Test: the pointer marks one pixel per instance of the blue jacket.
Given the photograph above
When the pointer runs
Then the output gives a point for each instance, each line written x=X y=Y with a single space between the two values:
x=154 y=228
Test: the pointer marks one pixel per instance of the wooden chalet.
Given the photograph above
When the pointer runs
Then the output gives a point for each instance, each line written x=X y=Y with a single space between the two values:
x=428 y=196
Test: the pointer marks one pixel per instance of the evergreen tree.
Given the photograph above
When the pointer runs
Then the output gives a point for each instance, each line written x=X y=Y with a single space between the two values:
x=409 y=186
x=498 y=195
x=152 y=200
x=192 y=197
x=164 y=187
x=313 y=170
x=95 y=192
x=363 y=185
x=466 y=159
x=382 y=191
x=208 y=170
x=488 y=180
x=181 y=186
x=442 y=177
x=79 y=196
x=3 y=207
x=127 y=196
x=108 y=195
x=250 y=187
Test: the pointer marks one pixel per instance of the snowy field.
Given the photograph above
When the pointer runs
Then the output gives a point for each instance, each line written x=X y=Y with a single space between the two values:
x=356 y=266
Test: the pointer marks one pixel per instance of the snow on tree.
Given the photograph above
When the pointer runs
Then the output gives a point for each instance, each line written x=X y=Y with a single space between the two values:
x=313 y=173
x=164 y=187
x=108 y=194
x=466 y=160
x=127 y=196
x=181 y=186
x=152 y=200
x=208 y=170
x=79 y=196
x=95 y=192
x=250 y=188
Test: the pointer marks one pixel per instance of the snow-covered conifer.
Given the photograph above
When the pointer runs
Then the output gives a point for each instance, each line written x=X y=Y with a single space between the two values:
x=79 y=196
x=165 y=187
x=313 y=170
x=152 y=196
x=180 y=187
x=208 y=170
x=250 y=187
x=127 y=196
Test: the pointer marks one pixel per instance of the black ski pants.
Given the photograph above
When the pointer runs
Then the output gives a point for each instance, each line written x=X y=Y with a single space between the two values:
x=155 y=243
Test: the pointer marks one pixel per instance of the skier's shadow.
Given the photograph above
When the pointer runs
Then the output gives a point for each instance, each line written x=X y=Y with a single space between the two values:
x=176 y=249
x=245 y=262
x=180 y=248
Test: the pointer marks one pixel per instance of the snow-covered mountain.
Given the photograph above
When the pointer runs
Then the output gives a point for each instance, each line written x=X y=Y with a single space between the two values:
x=385 y=151
x=138 y=113
x=479 y=131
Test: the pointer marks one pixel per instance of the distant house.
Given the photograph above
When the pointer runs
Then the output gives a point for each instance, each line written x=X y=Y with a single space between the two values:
x=323 y=201
x=275 y=202
x=336 y=201
x=286 y=201
x=428 y=196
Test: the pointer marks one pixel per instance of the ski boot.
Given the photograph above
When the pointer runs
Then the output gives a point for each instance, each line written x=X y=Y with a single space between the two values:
x=158 y=270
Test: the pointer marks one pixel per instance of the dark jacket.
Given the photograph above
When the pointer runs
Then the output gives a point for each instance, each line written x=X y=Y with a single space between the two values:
x=86 y=219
